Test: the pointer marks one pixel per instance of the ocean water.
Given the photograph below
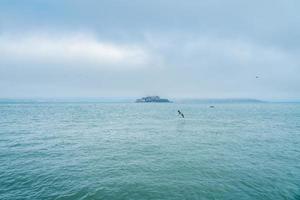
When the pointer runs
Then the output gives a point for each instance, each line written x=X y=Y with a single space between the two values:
x=146 y=151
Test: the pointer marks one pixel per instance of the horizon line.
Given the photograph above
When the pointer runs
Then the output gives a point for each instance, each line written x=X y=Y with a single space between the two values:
x=131 y=99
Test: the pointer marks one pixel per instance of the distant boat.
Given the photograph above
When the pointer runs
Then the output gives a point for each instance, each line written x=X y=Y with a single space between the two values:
x=152 y=99
x=211 y=106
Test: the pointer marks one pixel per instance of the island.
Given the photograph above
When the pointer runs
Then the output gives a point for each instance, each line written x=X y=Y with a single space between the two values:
x=152 y=99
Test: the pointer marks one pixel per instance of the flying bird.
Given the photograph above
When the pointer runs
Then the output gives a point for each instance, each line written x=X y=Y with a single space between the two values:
x=180 y=113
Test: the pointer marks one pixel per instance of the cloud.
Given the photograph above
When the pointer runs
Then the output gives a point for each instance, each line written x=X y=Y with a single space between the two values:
x=201 y=48
x=203 y=51
x=223 y=66
x=176 y=64
x=71 y=49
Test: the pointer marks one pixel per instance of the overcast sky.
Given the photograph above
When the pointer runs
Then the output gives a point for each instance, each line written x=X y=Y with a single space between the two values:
x=188 y=48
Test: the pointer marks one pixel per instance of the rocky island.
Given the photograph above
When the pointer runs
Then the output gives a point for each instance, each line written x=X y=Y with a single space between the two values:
x=152 y=99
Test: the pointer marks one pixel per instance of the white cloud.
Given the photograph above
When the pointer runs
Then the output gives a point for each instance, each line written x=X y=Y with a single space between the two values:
x=178 y=65
x=237 y=50
x=71 y=49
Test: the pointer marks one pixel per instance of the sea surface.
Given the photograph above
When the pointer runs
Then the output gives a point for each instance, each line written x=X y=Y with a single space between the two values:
x=146 y=151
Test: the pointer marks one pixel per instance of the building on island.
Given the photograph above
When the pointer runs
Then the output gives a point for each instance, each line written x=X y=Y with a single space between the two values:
x=154 y=99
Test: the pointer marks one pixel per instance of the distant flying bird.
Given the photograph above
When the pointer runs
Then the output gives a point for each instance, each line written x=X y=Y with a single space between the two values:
x=180 y=113
x=256 y=77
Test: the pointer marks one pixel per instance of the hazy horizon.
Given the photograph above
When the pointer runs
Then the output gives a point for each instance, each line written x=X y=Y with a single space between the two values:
x=182 y=49
x=132 y=99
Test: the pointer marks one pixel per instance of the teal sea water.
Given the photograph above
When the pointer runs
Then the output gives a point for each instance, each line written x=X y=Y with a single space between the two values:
x=146 y=151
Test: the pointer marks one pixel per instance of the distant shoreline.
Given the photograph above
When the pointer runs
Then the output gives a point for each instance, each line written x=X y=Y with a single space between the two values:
x=132 y=100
